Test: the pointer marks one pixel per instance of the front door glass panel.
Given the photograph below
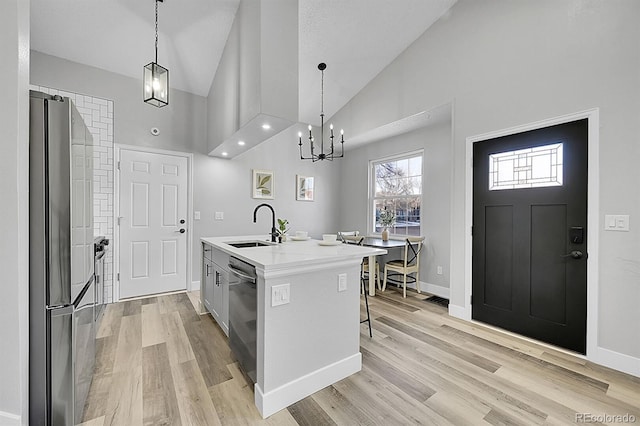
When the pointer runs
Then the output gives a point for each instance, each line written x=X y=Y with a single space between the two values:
x=526 y=168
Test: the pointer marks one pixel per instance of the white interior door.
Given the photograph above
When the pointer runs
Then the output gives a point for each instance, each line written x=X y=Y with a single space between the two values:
x=153 y=223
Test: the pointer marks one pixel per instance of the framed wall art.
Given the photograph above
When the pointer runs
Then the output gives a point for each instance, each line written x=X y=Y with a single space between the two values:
x=304 y=188
x=262 y=184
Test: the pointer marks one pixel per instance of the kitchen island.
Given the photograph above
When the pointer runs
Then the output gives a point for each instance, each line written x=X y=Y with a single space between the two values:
x=307 y=313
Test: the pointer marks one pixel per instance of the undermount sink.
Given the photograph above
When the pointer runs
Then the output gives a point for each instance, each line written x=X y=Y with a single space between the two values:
x=245 y=244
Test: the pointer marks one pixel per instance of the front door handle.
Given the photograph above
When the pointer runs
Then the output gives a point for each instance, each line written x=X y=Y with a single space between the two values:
x=576 y=254
x=182 y=230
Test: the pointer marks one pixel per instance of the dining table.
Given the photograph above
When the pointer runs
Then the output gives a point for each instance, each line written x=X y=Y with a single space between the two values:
x=378 y=242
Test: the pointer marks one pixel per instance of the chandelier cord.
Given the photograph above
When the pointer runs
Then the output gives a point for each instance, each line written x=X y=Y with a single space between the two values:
x=156 y=31
x=322 y=112
x=322 y=94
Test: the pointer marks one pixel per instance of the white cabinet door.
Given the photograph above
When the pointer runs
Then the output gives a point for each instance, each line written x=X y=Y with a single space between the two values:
x=221 y=297
x=208 y=281
x=225 y=302
x=153 y=211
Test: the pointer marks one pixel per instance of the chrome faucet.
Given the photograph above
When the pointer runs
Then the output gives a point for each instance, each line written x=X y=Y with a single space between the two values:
x=273 y=220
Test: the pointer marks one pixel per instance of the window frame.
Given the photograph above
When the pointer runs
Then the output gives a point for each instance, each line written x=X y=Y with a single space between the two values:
x=371 y=199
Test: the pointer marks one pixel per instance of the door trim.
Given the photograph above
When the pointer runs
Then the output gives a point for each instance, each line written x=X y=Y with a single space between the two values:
x=117 y=147
x=593 y=216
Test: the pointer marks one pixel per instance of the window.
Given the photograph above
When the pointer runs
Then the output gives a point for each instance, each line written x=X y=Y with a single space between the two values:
x=526 y=168
x=396 y=185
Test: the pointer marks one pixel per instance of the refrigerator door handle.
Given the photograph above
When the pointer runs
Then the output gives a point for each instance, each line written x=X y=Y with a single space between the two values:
x=60 y=348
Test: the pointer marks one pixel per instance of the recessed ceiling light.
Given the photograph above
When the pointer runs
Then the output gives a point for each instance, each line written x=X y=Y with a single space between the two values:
x=241 y=143
x=224 y=154
x=266 y=126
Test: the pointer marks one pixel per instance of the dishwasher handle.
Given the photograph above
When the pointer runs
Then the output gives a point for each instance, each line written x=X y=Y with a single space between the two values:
x=241 y=274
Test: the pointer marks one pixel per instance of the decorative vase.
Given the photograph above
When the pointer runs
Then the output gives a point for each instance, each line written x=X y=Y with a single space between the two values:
x=385 y=234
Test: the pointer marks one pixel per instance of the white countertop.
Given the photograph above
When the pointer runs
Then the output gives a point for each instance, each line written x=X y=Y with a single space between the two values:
x=289 y=253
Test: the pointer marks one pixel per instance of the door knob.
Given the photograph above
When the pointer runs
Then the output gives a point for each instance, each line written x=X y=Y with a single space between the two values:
x=182 y=230
x=576 y=254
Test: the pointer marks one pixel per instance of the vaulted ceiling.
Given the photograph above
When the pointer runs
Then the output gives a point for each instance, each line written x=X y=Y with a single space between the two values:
x=356 y=38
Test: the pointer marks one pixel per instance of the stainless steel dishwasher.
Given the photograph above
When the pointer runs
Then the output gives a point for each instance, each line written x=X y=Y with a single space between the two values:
x=243 y=306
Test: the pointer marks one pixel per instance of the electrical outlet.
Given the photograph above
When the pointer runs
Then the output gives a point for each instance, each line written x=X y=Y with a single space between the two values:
x=219 y=216
x=280 y=294
x=342 y=282
x=439 y=270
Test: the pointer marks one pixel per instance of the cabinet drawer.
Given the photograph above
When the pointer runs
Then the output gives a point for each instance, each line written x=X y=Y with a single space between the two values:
x=207 y=251
x=220 y=258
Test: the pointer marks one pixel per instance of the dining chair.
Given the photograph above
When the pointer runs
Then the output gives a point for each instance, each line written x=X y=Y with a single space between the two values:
x=357 y=240
x=408 y=265
x=342 y=235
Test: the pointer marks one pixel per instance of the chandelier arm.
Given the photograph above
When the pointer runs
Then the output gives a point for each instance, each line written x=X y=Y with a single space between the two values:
x=302 y=157
x=311 y=144
x=331 y=138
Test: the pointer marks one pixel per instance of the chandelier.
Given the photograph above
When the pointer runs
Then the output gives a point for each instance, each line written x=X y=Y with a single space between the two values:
x=330 y=155
x=156 y=78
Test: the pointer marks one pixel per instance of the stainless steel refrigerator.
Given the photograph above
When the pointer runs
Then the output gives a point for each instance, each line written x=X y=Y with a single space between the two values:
x=61 y=265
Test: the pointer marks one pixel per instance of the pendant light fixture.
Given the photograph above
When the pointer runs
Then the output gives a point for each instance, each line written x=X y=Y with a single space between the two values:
x=330 y=155
x=156 y=78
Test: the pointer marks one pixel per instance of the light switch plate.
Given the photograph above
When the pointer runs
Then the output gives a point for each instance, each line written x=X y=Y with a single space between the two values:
x=616 y=222
x=219 y=216
x=342 y=282
x=196 y=215
x=280 y=294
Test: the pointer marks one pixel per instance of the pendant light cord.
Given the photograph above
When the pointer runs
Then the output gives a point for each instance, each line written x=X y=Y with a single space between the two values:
x=156 y=31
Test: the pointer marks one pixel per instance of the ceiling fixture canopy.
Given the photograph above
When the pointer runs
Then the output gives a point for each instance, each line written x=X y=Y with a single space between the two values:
x=156 y=78
x=330 y=155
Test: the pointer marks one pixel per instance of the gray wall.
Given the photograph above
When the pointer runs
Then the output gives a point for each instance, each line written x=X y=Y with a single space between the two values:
x=225 y=186
x=436 y=142
x=507 y=63
x=14 y=212
x=181 y=123
x=218 y=184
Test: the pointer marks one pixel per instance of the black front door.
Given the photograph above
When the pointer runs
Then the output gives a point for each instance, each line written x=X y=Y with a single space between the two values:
x=530 y=235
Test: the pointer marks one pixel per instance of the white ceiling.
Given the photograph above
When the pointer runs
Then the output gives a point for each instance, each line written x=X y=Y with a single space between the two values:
x=356 y=38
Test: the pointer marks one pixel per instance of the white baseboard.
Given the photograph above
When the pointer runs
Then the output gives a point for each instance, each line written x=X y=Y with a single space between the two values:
x=617 y=361
x=436 y=290
x=459 y=312
x=294 y=391
x=195 y=285
x=8 y=419
x=606 y=357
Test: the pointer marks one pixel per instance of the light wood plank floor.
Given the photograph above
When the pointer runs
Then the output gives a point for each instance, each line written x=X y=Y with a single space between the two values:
x=159 y=363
